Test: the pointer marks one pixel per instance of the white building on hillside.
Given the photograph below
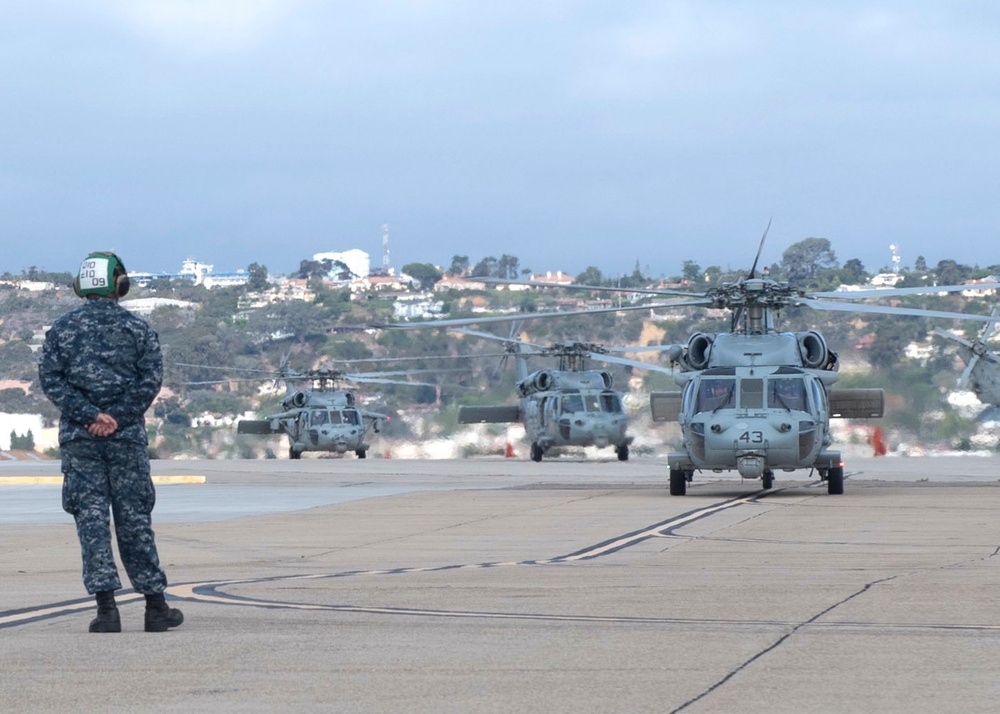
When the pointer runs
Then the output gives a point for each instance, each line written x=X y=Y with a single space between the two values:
x=357 y=261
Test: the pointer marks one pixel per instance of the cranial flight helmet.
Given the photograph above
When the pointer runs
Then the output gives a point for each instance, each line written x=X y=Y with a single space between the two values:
x=102 y=273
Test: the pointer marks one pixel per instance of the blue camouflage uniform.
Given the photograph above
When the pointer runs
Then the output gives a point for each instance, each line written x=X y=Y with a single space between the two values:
x=102 y=358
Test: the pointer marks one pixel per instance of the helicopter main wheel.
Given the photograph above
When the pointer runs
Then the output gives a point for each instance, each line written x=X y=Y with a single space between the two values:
x=678 y=482
x=835 y=480
x=536 y=451
x=293 y=454
x=767 y=480
x=362 y=453
x=622 y=452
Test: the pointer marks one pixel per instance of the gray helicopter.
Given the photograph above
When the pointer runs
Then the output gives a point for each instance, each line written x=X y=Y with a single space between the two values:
x=982 y=367
x=566 y=406
x=755 y=400
x=323 y=418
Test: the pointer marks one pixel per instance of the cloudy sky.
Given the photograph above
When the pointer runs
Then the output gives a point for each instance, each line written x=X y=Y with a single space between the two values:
x=567 y=133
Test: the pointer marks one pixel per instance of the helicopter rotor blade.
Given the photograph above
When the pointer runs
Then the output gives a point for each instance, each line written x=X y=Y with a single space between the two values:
x=894 y=292
x=462 y=321
x=591 y=288
x=887 y=310
x=611 y=359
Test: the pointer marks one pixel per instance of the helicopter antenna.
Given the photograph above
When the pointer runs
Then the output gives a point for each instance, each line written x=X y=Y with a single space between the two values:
x=760 y=248
x=738 y=312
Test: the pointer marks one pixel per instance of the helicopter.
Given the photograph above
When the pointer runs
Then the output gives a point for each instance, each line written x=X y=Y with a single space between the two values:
x=567 y=406
x=323 y=418
x=754 y=400
x=982 y=367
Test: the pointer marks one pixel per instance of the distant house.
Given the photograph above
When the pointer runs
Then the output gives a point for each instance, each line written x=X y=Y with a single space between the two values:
x=457 y=282
x=558 y=277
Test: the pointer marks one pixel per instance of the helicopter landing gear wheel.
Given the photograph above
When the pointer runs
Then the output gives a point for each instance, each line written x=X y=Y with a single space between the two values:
x=362 y=453
x=622 y=452
x=835 y=480
x=678 y=482
x=293 y=454
x=767 y=480
x=536 y=452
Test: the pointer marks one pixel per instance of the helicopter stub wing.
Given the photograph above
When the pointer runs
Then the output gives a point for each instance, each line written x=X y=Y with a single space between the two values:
x=857 y=403
x=258 y=427
x=489 y=414
x=665 y=406
x=888 y=310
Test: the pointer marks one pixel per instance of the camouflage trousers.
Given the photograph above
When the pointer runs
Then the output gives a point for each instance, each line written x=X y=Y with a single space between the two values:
x=104 y=477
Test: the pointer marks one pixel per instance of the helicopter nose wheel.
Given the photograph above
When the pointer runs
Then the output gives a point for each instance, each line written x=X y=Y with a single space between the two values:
x=767 y=480
x=536 y=451
x=293 y=454
x=622 y=451
x=678 y=482
x=835 y=480
x=362 y=453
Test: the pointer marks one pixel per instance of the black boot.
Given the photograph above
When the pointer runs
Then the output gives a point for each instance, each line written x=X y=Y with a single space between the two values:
x=160 y=617
x=108 y=619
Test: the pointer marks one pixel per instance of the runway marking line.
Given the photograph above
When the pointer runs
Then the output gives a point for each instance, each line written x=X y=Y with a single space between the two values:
x=57 y=480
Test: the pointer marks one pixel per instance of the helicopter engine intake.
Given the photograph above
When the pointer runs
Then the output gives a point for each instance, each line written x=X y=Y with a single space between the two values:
x=812 y=347
x=699 y=350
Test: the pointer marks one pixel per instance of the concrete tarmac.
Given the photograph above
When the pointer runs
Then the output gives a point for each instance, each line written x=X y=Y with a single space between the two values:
x=507 y=586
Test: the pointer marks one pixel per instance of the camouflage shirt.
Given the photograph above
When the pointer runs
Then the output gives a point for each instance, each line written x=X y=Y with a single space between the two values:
x=101 y=358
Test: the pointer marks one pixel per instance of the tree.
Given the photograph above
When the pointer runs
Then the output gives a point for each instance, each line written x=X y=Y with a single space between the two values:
x=22 y=443
x=459 y=265
x=424 y=273
x=949 y=272
x=590 y=276
x=691 y=271
x=853 y=272
x=507 y=267
x=920 y=265
x=258 y=277
x=803 y=260
x=485 y=268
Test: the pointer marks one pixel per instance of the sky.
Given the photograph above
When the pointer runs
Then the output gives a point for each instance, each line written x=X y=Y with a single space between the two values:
x=567 y=133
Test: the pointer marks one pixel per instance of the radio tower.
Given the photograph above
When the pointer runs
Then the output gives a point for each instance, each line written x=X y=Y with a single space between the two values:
x=895 y=257
x=385 y=249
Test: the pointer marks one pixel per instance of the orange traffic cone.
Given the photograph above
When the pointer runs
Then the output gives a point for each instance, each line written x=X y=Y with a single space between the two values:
x=508 y=451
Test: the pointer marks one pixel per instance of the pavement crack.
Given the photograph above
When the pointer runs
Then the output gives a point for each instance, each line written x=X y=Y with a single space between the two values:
x=780 y=641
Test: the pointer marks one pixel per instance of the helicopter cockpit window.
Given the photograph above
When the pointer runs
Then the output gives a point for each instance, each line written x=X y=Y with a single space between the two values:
x=786 y=394
x=611 y=403
x=572 y=404
x=716 y=394
x=318 y=417
x=350 y=416
x=592 y=402
x=751 y=393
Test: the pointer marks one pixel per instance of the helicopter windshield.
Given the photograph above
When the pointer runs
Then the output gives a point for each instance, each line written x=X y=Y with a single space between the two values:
x=318 y=417
x=572 y=404
x=350 y=416
x=716 y=394
x=786 y=393
x=611 y=403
